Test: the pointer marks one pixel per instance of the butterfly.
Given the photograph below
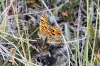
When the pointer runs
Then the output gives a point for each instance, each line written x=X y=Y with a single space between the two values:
x=52 y=33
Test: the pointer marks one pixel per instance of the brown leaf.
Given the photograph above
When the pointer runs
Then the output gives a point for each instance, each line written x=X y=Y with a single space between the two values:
x=97 y=59
x=12 y=61
x=12 y=8
x=30 y=3
x=12 y=52
x=64 y=14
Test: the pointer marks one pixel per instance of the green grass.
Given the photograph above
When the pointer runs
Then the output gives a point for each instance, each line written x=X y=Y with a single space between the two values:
x=25 y=55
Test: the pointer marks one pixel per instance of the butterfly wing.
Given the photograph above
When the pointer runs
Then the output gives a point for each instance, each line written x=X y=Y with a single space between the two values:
x=44 y=23
x=53 y=34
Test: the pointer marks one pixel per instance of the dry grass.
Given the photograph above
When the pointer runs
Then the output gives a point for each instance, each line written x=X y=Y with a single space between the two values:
x=20 y=44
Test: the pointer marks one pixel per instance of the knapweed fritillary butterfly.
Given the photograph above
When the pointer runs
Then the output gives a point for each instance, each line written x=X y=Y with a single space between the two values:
x=52 y=33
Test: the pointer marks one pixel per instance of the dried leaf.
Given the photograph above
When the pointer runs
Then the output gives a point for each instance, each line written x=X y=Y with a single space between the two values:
x=30 y=3
x=64 y=14
x=97 y=59
x=12 y=52
x=12 y=61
